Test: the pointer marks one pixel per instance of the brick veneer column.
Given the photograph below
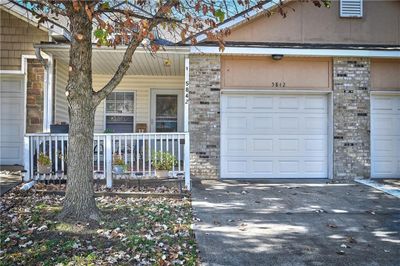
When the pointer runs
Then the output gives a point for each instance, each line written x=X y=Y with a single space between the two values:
x=204 y=115
x=351 y=118
x=34 y=101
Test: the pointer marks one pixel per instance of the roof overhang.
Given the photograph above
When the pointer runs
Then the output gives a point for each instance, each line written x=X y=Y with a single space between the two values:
x=56 y=30
x=303 y=52
x=105 y=60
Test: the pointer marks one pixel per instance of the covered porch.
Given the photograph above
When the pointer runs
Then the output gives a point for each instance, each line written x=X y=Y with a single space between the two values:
x=145 y=116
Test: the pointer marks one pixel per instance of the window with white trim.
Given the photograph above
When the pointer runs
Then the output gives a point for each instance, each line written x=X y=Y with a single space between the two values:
x=120 y=112
x=351 y=8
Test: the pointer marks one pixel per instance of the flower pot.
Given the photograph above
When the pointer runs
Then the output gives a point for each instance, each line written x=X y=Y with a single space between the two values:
x=162 y=173
x=44 y=169
x=118 y=169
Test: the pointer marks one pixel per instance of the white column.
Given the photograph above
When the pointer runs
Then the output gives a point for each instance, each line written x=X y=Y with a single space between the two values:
x=108 y=158
x=27 y=162
x=48 y=95
x=186 y=97
x=187 y=161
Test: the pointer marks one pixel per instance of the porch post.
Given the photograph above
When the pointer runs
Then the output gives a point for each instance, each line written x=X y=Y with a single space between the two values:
x=27 y=162
x=186 y=109
x=186 y=127
x=108 y=155
x=48 y=95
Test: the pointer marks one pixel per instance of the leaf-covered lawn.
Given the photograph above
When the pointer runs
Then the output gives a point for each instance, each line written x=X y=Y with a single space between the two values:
x=132 y=232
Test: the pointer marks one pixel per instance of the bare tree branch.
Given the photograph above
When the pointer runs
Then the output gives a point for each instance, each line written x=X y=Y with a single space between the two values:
x=51 y=6
x=127 y=59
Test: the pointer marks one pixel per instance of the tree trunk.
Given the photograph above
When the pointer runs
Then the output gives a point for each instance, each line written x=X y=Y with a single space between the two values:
x=79 y=202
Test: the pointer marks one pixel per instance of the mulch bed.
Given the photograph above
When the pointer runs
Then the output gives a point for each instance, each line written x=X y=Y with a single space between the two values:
x=132 y=231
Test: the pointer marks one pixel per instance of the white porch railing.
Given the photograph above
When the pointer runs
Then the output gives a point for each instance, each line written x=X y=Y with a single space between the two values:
x=136 y=149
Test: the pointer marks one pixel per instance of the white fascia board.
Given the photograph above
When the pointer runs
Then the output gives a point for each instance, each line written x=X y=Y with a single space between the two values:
x=258 y=51
x=240 y=19
x=119 y=49
x=27 y=16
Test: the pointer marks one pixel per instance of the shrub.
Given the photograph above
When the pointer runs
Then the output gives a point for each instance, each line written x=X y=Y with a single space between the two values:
x=164 y=161
x=44 y=159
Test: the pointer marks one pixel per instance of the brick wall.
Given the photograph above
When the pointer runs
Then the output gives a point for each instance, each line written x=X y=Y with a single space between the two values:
x=204 y=115
x=17 y=38
x=34 y=99
x=351 y=118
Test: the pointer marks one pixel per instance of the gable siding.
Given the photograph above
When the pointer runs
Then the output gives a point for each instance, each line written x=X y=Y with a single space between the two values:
x=16 y=39
x=380 y=24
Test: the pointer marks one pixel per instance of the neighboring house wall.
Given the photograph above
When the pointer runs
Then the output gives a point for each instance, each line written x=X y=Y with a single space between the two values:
x=309 y=24
x=141 y=85
x=17 y=39
x=351 y=118
x=204 y=116
x=34 y=99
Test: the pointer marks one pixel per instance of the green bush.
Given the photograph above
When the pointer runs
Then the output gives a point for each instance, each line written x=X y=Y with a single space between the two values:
x=164 y=161
x=44 y=159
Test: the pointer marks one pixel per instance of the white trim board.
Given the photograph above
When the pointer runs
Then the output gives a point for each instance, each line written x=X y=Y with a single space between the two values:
x=259 y=51
x=384 y=188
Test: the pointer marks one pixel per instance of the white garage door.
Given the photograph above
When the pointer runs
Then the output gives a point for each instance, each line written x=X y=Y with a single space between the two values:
x=11 y=120
x=274 y=136
x=385 y=137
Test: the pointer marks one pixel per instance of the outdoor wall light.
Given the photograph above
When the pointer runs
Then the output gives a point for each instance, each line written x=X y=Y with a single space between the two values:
x=277 y=57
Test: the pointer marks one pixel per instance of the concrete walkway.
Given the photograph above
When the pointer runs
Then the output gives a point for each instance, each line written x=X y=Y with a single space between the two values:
x=10 y=176
x=302 y=223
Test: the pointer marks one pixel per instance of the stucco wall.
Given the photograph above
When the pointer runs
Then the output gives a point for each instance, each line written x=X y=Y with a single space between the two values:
x=380 y=24
x=16 y=39
x=385 y=74
x=294 y=73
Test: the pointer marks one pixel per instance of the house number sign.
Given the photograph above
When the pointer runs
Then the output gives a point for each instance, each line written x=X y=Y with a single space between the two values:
x=277 y=84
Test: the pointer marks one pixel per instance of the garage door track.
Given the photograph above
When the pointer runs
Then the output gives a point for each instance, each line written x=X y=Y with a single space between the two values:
x=295 y=223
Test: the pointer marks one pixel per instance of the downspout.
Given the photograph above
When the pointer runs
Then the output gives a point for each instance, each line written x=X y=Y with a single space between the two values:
x=48 y=89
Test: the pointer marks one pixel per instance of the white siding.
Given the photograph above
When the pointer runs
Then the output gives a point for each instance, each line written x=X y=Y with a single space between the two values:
x=61 y=107
x=141 y=85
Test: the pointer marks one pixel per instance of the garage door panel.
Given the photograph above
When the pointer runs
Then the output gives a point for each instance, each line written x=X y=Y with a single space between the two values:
x=273 y=123
x=11 y=120
x=385 y=135
x=273 y=167
x=274 y=136
x=274 y=145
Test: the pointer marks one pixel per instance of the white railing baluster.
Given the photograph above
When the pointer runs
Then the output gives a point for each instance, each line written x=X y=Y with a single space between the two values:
x=137 y=153
x=98 y=153
x=119 y=146
x=144 y=154
x=56 y=153
x=179 y=153
x=125 y=150
x=132 y=151
x=149 y=156
x=173 y=153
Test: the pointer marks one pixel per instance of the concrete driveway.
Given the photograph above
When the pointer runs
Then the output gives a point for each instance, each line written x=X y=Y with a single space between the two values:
x=295 y=223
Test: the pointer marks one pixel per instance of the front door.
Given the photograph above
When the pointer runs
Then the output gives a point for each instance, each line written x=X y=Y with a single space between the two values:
x=166 y=110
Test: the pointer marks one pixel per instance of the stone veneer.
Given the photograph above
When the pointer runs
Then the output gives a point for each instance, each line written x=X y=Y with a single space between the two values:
x=351 y=118
x=34 y=100
x=204 y=115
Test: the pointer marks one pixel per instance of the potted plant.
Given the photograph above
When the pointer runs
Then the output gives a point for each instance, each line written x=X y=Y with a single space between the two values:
x=118 y=164
x=163 y=162
x=44 y=164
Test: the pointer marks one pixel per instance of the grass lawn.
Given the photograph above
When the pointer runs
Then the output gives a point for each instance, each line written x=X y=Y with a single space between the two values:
x=132 y=232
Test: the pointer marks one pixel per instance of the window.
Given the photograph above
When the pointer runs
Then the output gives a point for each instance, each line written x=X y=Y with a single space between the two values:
x=120 y=112
x=351 y=8
x=166 y=113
